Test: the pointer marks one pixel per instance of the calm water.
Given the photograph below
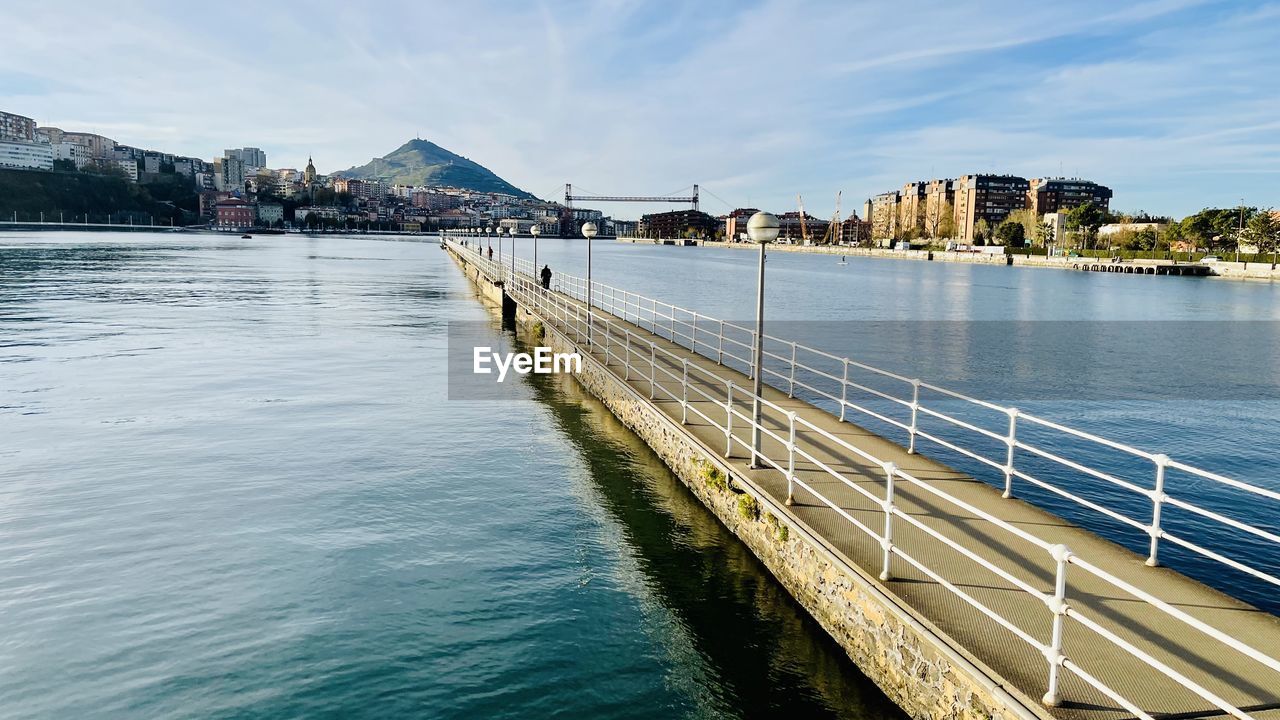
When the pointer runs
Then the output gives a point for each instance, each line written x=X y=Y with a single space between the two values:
x=230 y=486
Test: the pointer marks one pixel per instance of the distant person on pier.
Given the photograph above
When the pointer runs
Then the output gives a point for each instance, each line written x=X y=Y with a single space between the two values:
x=490 y=252
x=546 y=277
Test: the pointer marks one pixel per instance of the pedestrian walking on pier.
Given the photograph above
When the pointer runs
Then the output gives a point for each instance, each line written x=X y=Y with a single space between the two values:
x=490 y=252
x=546 y=277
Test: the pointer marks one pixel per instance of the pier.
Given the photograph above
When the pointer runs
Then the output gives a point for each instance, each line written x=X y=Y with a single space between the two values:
x=953 y=595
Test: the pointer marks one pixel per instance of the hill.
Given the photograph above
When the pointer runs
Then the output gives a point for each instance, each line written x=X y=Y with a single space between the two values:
x=421 y=162
x=75 y=194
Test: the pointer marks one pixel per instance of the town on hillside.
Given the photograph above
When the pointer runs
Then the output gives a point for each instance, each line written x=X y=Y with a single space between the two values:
x=240 y=191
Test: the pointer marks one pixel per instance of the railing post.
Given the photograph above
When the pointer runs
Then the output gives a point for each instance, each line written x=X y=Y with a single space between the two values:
x=684 y=392
x=915 y=417
x=693 y=343
x=886 y=542
x=653 y=364
x=626 y=371
x=1012 y=442
x=720 y=345
x=1057 y=604
x=728 y=423
x=791 y=458
x=1157 y=501
x=844 y=389
x=791 y=391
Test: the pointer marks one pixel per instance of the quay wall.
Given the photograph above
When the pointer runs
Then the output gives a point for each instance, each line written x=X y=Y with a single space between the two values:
x=913 y=662
x=1228 y=270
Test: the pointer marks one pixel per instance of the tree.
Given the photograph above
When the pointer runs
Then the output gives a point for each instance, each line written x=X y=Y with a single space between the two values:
x=312 y=220
x=1086 y=219
x=264 y=184
x=1027 y=219
x=981 y=232
x=1173 y=234
x=1216 y=229
x=1011 y=233
x=1264 y=232
x=939 y=219
x=1045 y=234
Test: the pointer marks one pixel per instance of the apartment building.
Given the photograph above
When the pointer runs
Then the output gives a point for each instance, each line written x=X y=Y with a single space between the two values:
x=674 y=224
x=1051 y=195
x=77 y=154
x=939 y=208
x=17 y=127
x=987 y=198
x=882 y=211
x=912 y=200
x=101 y=147
x=25 y=155
x=950 y=208
x=228 y=174
x=250 y=156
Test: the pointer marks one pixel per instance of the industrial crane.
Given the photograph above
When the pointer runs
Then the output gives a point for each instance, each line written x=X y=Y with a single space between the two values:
x=834 y=228
x=804 y=230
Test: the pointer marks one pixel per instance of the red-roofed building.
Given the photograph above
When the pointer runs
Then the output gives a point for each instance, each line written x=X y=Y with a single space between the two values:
x=234 y=214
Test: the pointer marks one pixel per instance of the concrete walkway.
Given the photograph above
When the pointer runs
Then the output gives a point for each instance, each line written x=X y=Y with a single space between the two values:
x=1020 y=667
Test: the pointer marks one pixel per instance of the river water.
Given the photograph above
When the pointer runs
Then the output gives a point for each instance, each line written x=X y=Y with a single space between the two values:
x=231 y=485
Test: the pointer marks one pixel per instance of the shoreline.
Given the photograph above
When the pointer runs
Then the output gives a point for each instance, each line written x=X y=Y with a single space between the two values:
x=1263 y=272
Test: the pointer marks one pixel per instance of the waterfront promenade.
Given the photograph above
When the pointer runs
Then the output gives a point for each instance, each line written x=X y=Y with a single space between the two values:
x=1226 y=269
x=989 y=577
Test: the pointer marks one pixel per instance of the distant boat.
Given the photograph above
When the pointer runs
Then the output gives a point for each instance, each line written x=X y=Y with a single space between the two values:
x=246 y=236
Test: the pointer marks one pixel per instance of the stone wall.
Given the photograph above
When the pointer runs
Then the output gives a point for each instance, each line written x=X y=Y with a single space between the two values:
x=913 y=662
x=1231 y=270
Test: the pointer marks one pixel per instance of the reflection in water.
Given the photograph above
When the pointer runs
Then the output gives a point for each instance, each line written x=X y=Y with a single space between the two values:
x=767 y=655
x=231 y=485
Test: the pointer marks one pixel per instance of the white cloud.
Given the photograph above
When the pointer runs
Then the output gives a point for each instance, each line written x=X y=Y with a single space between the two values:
x=1165 y=103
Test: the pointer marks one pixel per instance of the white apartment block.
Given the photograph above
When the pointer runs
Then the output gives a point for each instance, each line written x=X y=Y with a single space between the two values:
x=26 y=155
x=78 y=154
x=130 y=168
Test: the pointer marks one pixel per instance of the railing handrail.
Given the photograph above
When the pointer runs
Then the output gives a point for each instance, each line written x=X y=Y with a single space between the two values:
x=1156 y=496
x=571 y=315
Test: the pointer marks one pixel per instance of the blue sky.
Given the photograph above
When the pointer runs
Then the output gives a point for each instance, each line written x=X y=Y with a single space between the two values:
x=1175 y=104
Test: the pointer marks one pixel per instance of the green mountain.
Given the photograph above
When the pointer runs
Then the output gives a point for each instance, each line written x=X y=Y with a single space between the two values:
x=420 y=162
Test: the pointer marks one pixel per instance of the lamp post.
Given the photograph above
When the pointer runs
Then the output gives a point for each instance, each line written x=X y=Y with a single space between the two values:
x=1240 y=232
x=589 y=231
x=487 y=241
x=513 y=250
x=535 y=231
x=762 y=228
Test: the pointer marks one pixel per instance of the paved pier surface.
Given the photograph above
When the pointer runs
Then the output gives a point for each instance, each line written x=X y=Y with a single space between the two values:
x=1241 y=681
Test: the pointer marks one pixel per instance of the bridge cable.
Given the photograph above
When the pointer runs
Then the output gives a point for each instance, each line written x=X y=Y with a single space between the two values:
x=717 y=197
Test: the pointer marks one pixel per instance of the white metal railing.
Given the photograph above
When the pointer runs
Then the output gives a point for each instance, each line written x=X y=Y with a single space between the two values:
x=731 y=343
x=607 y=327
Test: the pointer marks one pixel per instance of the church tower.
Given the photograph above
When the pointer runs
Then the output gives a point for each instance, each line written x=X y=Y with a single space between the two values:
x=309 y=175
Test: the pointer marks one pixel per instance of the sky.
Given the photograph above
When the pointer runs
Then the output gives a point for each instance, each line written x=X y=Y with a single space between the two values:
x=1174 y=104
